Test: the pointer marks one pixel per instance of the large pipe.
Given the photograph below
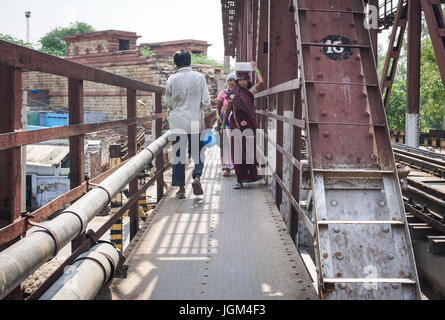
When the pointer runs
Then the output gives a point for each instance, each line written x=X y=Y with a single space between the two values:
x=86 y=276
x=24 y=257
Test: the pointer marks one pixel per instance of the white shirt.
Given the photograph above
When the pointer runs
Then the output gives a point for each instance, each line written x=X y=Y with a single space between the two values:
x=187 y=96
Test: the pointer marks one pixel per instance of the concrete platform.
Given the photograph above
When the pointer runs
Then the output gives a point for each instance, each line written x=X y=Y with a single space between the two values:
x=227 y=244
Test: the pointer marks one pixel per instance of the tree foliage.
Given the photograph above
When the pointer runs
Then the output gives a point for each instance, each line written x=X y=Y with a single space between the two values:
x=52 y=42
x=432 y=93
x=11 y=39
x=147 y=52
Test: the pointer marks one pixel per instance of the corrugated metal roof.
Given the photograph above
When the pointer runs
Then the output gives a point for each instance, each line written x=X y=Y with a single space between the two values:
x=44 y=155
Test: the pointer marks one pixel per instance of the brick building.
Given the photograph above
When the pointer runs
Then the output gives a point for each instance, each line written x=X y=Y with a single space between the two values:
x=117 y=52
x=167 y=49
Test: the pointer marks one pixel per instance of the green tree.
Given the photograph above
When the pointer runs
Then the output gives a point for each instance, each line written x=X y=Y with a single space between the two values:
x=397 y=106
x=11 y=39
x=52 y=42
x=432 y=93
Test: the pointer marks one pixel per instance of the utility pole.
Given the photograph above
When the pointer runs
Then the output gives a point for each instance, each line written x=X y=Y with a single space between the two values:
x=28 y=16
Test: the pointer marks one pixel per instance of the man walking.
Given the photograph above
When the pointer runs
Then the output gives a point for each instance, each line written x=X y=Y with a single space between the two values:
x=187 y=97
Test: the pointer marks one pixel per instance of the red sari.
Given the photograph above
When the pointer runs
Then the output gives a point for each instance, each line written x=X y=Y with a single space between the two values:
x=243 y=117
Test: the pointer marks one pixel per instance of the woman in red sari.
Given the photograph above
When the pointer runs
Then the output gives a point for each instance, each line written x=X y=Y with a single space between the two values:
x=241 y=104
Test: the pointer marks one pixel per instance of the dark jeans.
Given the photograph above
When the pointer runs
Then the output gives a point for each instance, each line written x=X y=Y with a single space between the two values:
x=178 y=178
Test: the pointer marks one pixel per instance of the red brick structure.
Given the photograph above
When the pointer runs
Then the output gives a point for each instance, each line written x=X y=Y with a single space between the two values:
x=104 y=48
x=167 y=49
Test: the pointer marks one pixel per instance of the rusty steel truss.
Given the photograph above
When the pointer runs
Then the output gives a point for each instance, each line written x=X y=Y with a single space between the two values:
x=407 y=14
x=318 y=61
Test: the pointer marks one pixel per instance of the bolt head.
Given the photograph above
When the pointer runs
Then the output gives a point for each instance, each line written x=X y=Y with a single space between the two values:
x=390 y=256
x=339 y=255
x=333 y=203
x=395 y=285
x=382 y=204
x=342 y=286
x=329 y=156
x=385 y=229
x=336 y=229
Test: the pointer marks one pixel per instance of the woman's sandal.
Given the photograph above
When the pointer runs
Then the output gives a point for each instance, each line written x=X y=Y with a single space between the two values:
x=256 y=179
x=238 y=186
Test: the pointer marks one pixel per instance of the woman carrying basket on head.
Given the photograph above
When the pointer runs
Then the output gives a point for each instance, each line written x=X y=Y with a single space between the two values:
x=241 y=104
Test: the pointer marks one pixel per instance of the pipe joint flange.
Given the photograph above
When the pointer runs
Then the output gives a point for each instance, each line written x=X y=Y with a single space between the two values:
x=53 y=235
x=101 y=260
x=82 y=218
x=115 y=265
x=110 y=196
x=149 y=150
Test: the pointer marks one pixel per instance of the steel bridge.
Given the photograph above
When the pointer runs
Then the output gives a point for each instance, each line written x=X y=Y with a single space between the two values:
x=331 y=184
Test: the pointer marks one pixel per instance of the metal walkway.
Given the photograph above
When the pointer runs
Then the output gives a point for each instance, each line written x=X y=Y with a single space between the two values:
x=228 y=244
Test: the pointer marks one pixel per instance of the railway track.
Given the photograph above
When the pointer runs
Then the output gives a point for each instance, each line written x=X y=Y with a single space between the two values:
x=424 y=194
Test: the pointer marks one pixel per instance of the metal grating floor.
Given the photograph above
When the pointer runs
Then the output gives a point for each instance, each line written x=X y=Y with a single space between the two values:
x=228 y=244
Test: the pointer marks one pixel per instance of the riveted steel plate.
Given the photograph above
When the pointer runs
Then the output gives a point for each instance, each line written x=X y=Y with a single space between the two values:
x=361 y=228
x=372 y=291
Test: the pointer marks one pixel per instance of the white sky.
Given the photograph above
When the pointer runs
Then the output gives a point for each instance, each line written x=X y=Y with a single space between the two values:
x=153 y=20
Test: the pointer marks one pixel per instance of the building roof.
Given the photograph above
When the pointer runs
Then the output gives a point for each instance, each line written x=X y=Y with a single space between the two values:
x=44 y=155
x=81 y=36
x=176 y=42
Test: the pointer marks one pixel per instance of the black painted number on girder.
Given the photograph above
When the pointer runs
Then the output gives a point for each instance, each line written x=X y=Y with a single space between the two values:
x=333 y=49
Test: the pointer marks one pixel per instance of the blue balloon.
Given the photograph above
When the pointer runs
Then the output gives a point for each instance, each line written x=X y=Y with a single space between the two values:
x=209 y=139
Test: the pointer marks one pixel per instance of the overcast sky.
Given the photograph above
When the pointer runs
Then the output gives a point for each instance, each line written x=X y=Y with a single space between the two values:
x=153 y=20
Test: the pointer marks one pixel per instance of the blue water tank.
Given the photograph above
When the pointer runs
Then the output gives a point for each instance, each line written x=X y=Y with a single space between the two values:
x=55 y=119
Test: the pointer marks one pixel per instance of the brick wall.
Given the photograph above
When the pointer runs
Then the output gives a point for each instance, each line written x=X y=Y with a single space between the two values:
x=111 y=99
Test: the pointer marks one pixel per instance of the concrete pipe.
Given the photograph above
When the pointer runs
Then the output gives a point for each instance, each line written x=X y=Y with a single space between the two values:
x=86 y=276
x=42 y=243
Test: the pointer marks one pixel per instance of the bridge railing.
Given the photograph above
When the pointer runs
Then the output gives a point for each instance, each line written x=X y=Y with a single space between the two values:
x=266 y=101
x=13 y=221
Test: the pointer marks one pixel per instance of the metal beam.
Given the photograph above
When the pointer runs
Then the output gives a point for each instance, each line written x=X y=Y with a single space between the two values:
x=77 y=147
x=24 y=58
x=10 y=160
x=160 y=158
x=132 y=149
x=17 y=139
